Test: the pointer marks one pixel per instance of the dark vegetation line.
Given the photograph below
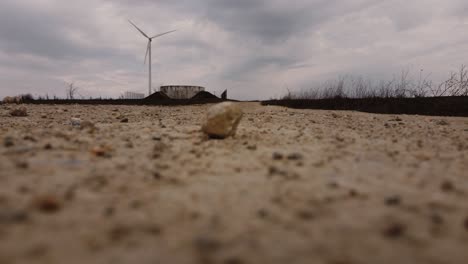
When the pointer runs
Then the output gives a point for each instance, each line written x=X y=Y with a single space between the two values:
x=432 y=106
x=157 y=98
x=398 y=96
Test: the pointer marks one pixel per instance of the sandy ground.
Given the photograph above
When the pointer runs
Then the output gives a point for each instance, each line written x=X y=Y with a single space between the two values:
x=293 y=186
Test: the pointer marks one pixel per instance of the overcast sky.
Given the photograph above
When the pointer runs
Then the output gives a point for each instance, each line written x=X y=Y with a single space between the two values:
x=253 y=48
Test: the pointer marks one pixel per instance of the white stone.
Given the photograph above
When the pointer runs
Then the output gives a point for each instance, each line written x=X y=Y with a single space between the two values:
x=76 y=122
x=222 y=120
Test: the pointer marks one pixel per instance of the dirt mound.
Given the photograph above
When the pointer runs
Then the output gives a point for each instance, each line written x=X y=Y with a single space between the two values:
x=204 y=95
x=157 y=96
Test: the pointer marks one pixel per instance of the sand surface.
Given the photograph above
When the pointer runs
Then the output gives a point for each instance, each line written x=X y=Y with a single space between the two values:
x=293 y=186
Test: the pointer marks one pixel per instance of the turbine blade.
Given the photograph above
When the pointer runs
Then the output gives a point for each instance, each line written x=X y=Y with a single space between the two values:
x=141 y=31
x=159 y=35
x=147 y=51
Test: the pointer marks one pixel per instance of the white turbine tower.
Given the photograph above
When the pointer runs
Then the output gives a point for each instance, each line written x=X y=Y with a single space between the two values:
x=148 y=49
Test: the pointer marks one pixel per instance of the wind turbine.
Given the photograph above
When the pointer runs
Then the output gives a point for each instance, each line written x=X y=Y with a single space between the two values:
x=148 y=49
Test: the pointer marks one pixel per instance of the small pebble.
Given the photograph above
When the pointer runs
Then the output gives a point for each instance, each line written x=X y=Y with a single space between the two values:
x=233 y=260
x=101 y=151
x=437 y=219
x=447 y=186
x=393 y=200
x=277 y=156
x=206 y=244
x=305 y=215
x=109 y=211
x=353 y=193
x=394 y=230
x=47 y=204
x=252 y=147
x=295 y=156
x=157 y=175
x=48 y=146
x=76 y=122
x=124 y=120
x=13 y=217
x=8 y=142
x=30 y=138
x=22 y=164
x=442 y=123
x=262 y=213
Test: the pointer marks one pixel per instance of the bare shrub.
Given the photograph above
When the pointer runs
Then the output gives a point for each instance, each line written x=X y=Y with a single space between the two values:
x=71 y=91
x=399 y=87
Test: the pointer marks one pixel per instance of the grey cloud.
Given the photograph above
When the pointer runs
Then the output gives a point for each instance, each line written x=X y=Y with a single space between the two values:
x=249 y=67
x=269 y=21
x=223 y=43
x=42 y=33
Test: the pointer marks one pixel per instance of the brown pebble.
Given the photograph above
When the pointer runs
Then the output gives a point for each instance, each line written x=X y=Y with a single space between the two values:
x=272 y=171
x=22 y=164
x=48 y=204
x=233 y=260
x=119 y=232
x=153 y=229
x=157 y=175
x=8 y=142
x=252 y=147
x=13 y=217
x=109 y=211
x=48 y=146
x=305 y=215
x=124 y=120
x=437 y=219
x=277 y=156
x=295 y=156
x=262 y=213
x=447 y=186
x=394 y=230
x=135 y=204
x=393 y=200
x=24 y=189
x=205 y=244
x=30 y=138
x=353 y=193
x=101 y=151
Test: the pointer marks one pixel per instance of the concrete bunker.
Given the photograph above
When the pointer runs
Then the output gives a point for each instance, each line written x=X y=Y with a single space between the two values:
x=181 y=91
